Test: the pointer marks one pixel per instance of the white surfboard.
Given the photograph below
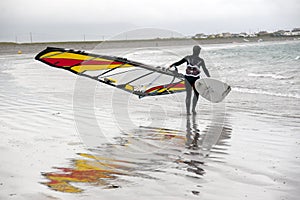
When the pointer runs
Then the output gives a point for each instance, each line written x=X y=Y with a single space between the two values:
x=212 y=89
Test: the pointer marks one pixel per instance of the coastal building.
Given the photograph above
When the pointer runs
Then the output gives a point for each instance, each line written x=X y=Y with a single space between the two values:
x=200 y=36
x=263 y=33
x=252 y=35
x=243 y=34
x=234 y=35
x=219 y=35
x=279 y=33
x=295 y=32
x=227 y=35
x=283 y=33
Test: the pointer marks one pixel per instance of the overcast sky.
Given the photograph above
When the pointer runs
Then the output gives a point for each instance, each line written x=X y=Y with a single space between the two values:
x=97 y=19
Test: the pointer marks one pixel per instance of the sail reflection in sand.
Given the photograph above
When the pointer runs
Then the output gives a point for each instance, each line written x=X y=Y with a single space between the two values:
x=90 y=169
x=167 y=151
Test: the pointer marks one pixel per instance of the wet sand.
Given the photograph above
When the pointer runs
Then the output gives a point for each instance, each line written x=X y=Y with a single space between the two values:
x=160 y=153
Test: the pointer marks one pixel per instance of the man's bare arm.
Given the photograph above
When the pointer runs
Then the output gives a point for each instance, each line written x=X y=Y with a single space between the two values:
x=205 y=69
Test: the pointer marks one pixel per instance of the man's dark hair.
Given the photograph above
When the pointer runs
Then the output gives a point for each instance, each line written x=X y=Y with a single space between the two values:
x=196 y=50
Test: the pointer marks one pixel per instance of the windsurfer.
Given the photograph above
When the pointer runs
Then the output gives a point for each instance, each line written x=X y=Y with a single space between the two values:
x=194 y=65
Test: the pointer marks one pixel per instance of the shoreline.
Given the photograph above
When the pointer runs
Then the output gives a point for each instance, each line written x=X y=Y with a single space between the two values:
x=15 y=48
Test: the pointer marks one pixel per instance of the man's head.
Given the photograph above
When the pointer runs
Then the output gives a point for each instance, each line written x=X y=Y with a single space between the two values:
x=196 y=50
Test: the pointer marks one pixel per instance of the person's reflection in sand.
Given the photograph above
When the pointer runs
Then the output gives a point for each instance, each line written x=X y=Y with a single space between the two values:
x=200 y=144
x=193 y=139
x=192 y=133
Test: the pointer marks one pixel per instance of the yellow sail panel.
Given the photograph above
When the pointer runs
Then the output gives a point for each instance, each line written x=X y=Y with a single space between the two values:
x=66 y=55
x=50 y=54
x=82 y=68
x=73 y=56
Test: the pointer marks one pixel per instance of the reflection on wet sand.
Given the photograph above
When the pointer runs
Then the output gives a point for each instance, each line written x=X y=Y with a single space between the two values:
x=112 y=164
x=193 y=142
x=200 y=144
x=192 y=133
x=89 y=169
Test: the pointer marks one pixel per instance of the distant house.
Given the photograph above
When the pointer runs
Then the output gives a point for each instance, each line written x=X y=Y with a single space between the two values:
x=200 y=36
x=219 y=35
x=295 y=32
x=252 y=35
x=227 y=35
x=234 y=35
x=279 y=33
x=287 y=33
x=243 y=34
x=263 y=33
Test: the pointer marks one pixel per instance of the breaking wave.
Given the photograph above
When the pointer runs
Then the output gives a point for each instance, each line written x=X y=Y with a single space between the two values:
x=259 y=91
x=274 y=76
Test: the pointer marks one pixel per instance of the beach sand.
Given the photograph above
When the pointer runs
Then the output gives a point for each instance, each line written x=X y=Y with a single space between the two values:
x=227 y=151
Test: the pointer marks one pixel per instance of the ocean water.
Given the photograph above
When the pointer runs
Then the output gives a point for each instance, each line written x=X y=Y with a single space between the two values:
x=270 y=71
x=64 y=137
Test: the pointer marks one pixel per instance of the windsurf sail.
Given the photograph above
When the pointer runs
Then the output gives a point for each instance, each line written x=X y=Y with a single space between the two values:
x=134 y=77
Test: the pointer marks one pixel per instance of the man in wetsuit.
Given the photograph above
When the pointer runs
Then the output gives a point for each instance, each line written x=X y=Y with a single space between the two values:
x=193 y=69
